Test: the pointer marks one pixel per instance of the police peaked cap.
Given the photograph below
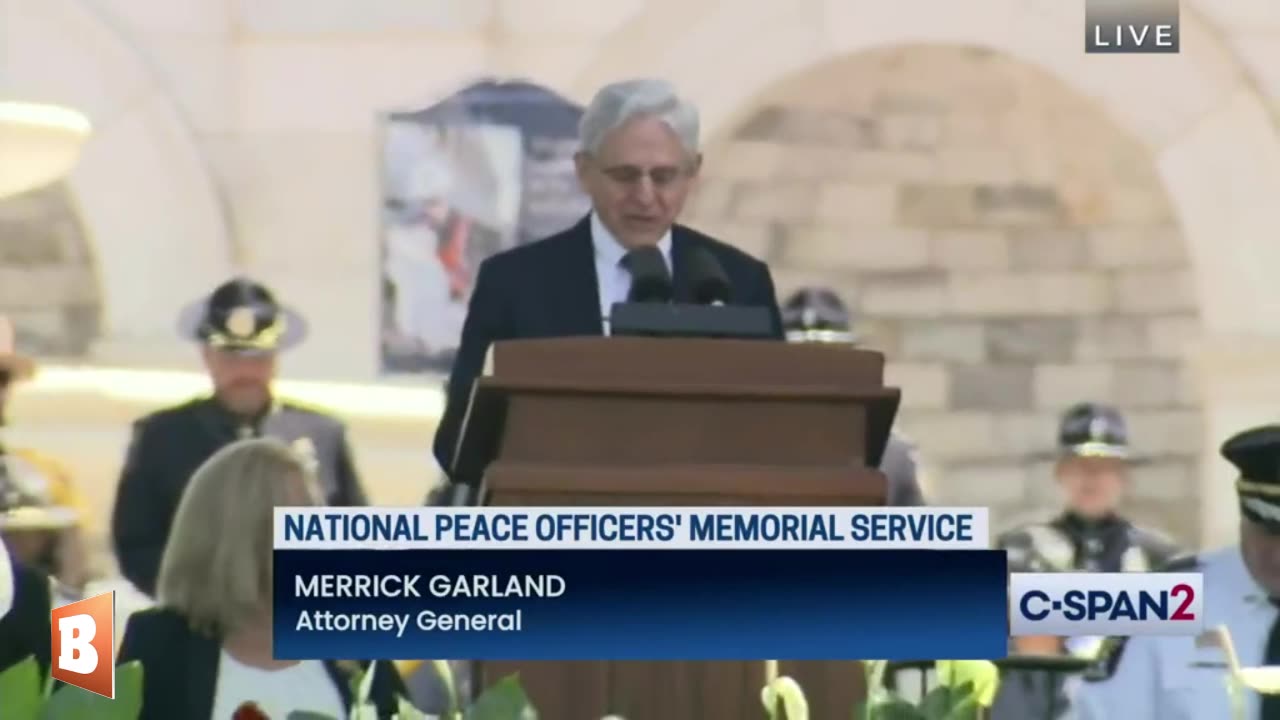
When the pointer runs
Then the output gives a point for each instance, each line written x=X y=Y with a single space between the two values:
x=243 y=316
x=1256 y=455
x=817 y=315
x=1094 y=430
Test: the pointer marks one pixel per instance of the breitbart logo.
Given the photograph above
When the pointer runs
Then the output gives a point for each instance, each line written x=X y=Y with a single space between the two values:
x=1131 y=26
x=83 y=643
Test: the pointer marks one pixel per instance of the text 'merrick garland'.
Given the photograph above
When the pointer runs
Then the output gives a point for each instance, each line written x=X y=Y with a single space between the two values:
x=330 y=586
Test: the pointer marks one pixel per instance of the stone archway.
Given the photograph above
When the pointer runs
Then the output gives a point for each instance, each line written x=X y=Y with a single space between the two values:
x=146 y=199
x=1215 y=146
x=1007 y=247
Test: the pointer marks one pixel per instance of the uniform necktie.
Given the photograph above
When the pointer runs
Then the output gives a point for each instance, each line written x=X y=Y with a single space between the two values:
x=1271 y=703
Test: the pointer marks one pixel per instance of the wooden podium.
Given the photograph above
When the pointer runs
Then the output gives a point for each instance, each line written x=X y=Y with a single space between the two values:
x=667 y=422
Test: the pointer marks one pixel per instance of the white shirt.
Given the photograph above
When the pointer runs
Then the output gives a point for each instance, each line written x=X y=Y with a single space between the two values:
x=1169 y=678
x=305 y=686
x=615 y=280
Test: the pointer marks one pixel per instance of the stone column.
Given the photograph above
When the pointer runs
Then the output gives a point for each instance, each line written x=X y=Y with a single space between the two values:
x=1240 y=385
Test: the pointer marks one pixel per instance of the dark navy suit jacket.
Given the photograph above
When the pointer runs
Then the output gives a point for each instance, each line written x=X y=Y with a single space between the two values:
x=548 y=289
x=180 y=669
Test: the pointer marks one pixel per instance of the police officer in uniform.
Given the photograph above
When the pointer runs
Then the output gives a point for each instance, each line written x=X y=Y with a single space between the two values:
x=241 y=328
x=43 y=516
x=819 y=315
x=1089 y=535
x=1185 y=678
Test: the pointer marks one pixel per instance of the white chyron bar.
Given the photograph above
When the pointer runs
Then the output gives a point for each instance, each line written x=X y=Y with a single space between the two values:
x=617 y=528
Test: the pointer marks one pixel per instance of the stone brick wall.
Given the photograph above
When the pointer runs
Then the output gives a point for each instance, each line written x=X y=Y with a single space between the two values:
x=1003 y=243
x=48 y=285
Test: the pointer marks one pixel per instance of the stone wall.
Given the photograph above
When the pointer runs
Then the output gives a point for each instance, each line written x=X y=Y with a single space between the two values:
x=1003 y=243
x=48 y=283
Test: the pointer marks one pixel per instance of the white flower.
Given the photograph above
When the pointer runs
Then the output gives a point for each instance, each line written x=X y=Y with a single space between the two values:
x=788 y=691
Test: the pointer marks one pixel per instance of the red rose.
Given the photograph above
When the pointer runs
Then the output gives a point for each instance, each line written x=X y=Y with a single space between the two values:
x=249 y=711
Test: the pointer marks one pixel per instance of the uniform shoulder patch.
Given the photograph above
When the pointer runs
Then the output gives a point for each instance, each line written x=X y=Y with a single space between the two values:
x=291 y=406
x=1108 y=659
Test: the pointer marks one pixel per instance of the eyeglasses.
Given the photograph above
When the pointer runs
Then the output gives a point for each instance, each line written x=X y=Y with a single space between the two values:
x=631 y=175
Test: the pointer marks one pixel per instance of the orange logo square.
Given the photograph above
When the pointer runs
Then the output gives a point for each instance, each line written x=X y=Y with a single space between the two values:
x=83 y=644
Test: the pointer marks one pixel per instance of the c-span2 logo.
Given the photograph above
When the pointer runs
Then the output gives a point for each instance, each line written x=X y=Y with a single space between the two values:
x=1067 y=604
x=84 y=635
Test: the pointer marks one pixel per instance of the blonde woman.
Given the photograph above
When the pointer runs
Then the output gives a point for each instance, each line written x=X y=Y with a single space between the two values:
x=206 y=648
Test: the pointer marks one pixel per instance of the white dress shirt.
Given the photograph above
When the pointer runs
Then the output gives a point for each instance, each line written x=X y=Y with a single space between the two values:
x=615 y=280
x=1169 y=678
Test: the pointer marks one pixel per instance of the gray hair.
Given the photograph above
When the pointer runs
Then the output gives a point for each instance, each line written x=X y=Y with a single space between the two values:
x=618 y=103
x=216 y=568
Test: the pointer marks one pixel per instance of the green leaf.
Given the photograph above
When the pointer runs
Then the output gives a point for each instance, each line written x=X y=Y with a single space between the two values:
x=308 y=715
x=982 y=675
x=354 y=673
x=937 y=703
x=406 y=711
x=444 y=671
x=505 y=700
x=21 y=689
x=967 y=709
x=72 y=703
x=896 y=709
x=365 y=687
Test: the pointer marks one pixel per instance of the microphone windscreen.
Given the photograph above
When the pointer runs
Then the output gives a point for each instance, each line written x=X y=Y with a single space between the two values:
x=710 y=282
x=650 y=277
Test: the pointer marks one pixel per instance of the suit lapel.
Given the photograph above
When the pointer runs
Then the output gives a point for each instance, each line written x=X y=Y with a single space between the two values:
x=681 y=283
x=578 y=287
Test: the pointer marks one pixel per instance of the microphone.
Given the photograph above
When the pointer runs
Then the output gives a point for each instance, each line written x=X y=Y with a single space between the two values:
x=710 y=283
x=650 y=277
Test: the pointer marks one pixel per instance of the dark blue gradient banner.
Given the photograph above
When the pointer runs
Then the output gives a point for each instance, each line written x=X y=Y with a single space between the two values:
x=642 y=604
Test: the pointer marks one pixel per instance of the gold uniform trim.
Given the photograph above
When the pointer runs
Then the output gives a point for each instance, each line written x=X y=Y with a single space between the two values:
x=265 y=340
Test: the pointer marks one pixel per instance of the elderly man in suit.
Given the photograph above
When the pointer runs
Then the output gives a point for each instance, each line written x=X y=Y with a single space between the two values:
x=241 y=328
x=638 y=161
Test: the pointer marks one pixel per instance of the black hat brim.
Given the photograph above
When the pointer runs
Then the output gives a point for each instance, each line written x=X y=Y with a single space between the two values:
x=192 y=317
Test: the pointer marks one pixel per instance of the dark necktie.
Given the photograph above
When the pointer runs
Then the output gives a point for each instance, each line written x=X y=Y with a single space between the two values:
x=1271 y=703
x=650 y=276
